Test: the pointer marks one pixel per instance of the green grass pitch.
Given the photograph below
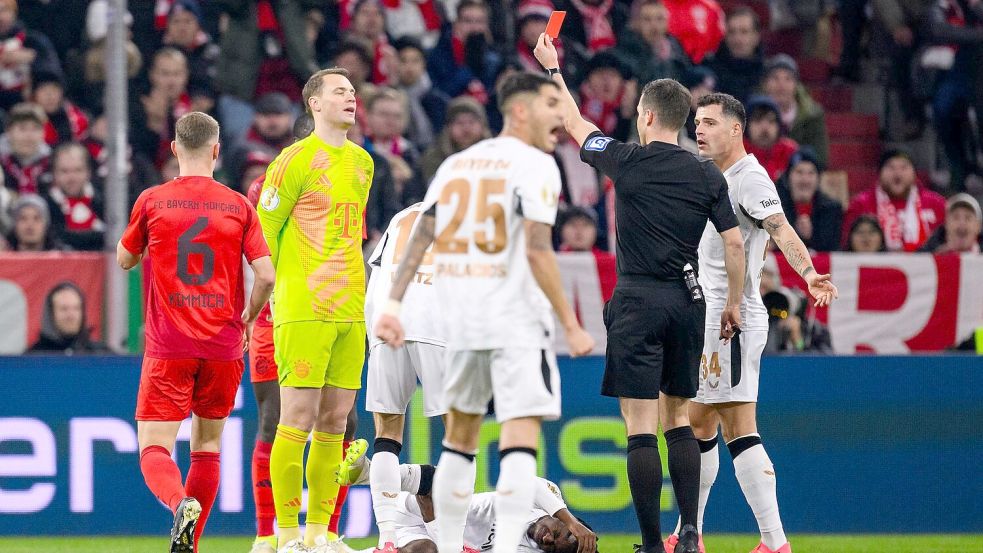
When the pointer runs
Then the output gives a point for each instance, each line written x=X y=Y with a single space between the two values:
x=609 y=543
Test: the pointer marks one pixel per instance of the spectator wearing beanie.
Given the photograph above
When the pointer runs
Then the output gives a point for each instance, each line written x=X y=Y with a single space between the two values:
x=66 y=122
x=531 y=19
x=608 y=98
x=907 y=213
x=739 y=62
x=646 y=44
x=764 y=137
x=32 y=226
x=817 y=218
x=466 y=126
x=800 y=114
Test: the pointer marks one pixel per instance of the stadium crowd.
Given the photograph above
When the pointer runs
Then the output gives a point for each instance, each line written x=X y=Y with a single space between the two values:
x=426 y=73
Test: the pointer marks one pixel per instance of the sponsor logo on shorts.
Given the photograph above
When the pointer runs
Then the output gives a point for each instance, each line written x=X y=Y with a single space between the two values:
x=269 y=199
x=598 y=143
x=302 y=368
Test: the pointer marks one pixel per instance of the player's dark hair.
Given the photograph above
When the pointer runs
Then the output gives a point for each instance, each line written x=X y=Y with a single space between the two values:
x=522 y=82
x=669 y=101
x=196 y=130
x=303 y=126
x=730 y=106
x=315 y=84
x=745 y=11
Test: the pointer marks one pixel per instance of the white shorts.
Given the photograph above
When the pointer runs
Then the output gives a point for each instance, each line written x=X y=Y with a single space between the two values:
x=409 y=522
x=722 y=380
x=525 y=382
x=393 y=374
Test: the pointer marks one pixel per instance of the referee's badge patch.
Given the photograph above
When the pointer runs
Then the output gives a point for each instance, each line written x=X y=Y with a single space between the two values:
x=598 y=143
x=269 y=199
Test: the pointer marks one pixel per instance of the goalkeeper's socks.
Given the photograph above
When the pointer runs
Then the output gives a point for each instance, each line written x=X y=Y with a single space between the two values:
x=162 y=475
x=263 y=489
x=384 y=481
x=756 y=475
x=287 y=476
x=514 y=496
x=202 y=484
x=323 y=460
x=645 y=481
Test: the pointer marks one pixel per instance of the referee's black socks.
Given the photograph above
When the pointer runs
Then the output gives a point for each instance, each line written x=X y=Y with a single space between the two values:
x=645 y=480
x=684 y=470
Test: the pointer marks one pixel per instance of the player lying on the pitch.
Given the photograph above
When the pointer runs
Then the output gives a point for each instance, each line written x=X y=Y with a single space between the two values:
x=552 y=528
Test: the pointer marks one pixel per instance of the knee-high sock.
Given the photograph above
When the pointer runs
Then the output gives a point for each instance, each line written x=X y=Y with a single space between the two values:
x=263 y=489
x=756 y=476
x=162 y=475
x=453 y=487
x=287 y=476
x=513 y=497
x=684 y=469
x=384 y=481
x=202 y=484
x=709 y=466
x=645 y=481
x=323 y=460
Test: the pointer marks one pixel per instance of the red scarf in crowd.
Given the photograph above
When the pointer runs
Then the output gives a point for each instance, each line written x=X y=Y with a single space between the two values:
x=600 y=34
x=78 y=211
x=904 y=230
x=428 y=12
x=14 y=77
x=26 y=177
x=603 y=114
x=77 y=122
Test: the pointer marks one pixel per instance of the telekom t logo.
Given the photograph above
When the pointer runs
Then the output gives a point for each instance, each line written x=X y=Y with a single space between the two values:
x=348 y=217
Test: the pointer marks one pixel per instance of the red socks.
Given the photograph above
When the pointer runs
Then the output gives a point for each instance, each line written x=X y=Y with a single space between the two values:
x=162 y=475
x=263 y=489
x=202 y=484
x=339 y=501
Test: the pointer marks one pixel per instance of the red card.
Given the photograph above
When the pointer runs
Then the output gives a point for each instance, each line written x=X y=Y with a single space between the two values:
x=554 y=24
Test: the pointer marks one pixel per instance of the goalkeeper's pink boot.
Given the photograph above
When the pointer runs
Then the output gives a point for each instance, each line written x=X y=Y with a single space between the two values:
x=762 y=548
x=673 y=539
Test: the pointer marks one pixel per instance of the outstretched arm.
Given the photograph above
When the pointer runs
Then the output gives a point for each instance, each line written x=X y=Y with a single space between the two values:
x=578 y=127
x=798 y=257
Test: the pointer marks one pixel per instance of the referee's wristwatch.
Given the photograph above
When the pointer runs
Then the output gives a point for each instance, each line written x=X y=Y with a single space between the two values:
x=553 y=71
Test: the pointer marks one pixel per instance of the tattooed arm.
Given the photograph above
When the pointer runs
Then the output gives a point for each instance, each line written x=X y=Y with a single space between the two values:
x=798 y=257
x=389 y=328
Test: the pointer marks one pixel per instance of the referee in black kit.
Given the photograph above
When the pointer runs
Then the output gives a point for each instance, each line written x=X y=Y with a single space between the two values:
x=655 y=320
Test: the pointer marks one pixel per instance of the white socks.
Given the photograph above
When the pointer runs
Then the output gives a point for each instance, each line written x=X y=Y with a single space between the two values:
x=756 y=475
x=385 y=484
x=453 y=487
x=514 y=497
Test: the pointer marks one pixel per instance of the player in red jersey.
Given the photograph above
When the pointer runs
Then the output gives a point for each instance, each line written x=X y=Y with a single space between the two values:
x=195 y=231
x=263 y=376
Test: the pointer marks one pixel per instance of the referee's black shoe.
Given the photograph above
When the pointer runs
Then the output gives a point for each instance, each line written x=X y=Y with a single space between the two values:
x=689 y=540
x=183 y=530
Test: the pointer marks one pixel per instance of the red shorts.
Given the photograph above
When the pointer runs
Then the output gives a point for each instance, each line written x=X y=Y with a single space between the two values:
x=262 y=365
x=172 y=389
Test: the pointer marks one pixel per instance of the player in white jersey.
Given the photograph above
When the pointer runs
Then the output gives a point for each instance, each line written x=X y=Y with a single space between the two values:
x=548 y=526
x=393 y=372
x=491 y=208
x=728 y=390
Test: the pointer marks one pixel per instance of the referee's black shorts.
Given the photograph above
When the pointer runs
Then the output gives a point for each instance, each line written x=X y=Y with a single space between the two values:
x=655 y=339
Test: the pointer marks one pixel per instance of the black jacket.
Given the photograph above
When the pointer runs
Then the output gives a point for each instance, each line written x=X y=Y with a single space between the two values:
x=827 y=218
x=735 y=76
x=52 y=341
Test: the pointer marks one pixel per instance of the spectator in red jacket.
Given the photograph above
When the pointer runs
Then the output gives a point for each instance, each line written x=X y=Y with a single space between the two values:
x=907 y=212
x=23 y=152
x=697 y=24
x=66 y=122
x=764 y=136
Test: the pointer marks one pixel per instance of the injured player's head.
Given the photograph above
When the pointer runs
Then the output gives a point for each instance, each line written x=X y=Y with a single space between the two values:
x=552 y=535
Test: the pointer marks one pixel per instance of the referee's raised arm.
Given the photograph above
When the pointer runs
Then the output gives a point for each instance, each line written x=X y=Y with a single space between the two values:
x=578 y=127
